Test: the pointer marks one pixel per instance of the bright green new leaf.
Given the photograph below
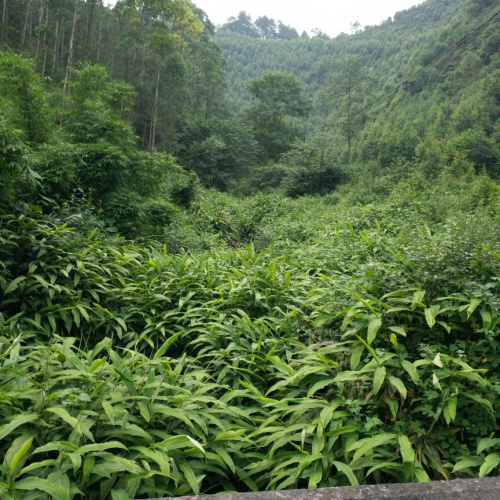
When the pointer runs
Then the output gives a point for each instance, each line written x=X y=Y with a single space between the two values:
x=23 y=446
x=398 y=384
x=430 y=317
x=35 y=483
x=486 y=443
x=17 y=421
x=378 y=378
x=373 y=328
x=345 y=469
x=407 y=454
x=490 y=462
x=367 y=445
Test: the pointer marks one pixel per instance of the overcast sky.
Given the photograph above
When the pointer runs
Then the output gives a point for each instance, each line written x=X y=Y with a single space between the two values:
x=330 y=16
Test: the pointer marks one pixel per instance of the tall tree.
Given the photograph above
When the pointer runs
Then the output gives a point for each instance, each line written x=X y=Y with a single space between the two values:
x=276 y=97
x=345 y=94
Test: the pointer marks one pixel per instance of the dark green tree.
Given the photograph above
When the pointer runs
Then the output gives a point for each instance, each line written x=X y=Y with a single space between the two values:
x=220 y=151
x=277 y=97
x=242 y=24
x=267 y=27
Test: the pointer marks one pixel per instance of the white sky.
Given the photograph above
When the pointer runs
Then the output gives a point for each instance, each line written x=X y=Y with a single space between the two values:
x=330 y=16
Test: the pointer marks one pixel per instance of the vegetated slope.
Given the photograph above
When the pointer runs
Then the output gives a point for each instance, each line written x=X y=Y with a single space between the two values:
x=409 y=104
x=165 y=50
x=243 y=343
x=385 y=49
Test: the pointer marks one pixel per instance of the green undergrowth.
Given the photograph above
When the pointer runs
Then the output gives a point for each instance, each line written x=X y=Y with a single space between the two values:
x=308 y=345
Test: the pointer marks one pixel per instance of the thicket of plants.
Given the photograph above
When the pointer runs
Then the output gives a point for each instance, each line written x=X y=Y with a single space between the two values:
x=312 y=345
x=161 y=338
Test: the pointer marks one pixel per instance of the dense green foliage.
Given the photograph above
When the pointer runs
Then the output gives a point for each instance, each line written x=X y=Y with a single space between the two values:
x=159 y=337
x=132 y=372
x=383 y=94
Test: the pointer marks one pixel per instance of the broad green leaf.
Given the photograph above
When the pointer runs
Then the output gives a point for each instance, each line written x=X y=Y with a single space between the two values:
x=430 y=317
x=345 y=469
x=320 y=385
x=229 y=435
x=467 y=462
x=450 y=409
x=378 y=378
x=368 y=347
x=486 y=443
x=420 y=475
x=61 y=412
x=472 y=307
x=119 y=494
x=76 y=460
x=368 y=444
x=315 y=476
x=108 y=408
x=92 y=448
x=490 y=462
x=418 y=298
x=225 y=456
x=487 y=319
x=35 y=483
x=373 y=328
x=23 y=447
x=356 y=356
x=398 y=330
x=411 y=370
x=398 y=384
x=407 y=454
x=37 y=465
x=17 y=421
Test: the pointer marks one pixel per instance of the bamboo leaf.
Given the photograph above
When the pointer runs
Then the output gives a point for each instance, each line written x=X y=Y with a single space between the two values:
x=430 y=317
x=467 y=462
x=369 y=444
x=378 y=378
x=16 y=422
x=163 y=349
x=35 y=483
x=407 y=454
x=398 y=384
x=190 y=476
x=373 y=328
x=490 y=462
x=486 y=443
x=411 y=370
x=14 y=285
x=482 y=401
x=345 y=469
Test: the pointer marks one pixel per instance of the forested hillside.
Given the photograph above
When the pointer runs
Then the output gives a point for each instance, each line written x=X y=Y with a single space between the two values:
x=401 y=91
x=291 y=281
